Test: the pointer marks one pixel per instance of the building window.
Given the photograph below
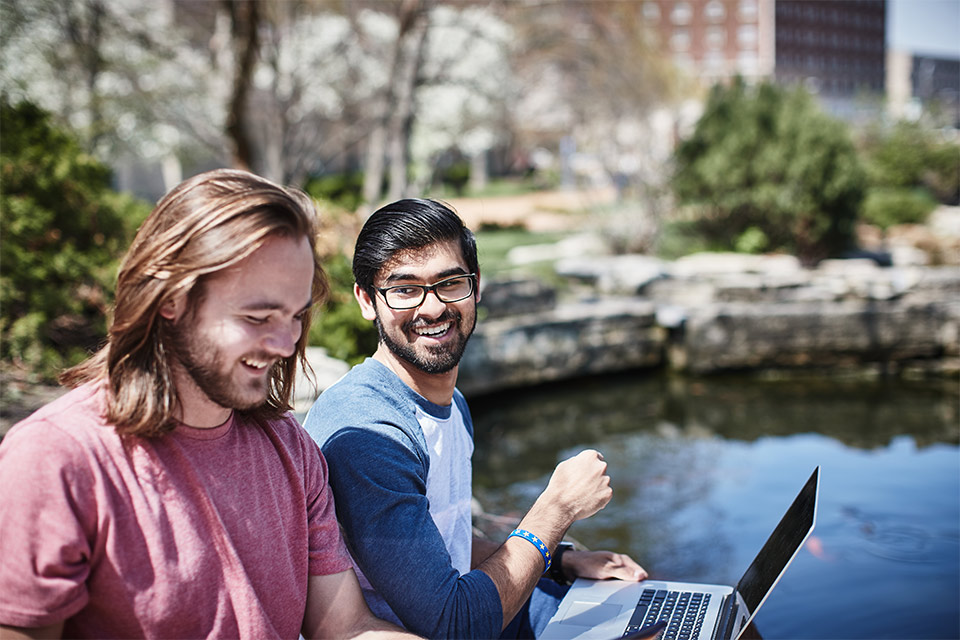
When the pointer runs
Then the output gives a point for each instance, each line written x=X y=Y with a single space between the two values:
x=747 y=36
x=651 y=11
x=714 y=61
x=747 y=63
x=682 y=13
x=680 y=40
x=716 y=37
x=747 y=10
x=715 y=11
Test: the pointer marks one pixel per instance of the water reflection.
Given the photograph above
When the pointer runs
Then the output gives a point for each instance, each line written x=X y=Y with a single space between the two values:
x=703 y=470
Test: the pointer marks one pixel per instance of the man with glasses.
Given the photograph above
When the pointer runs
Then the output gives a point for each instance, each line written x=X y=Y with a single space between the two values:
x=399 y=439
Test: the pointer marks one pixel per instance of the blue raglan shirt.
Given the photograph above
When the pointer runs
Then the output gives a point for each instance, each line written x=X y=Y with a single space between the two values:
x=367 y=427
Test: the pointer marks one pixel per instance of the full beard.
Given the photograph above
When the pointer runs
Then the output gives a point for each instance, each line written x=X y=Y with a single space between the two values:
x=439 y=358
x=204 y=364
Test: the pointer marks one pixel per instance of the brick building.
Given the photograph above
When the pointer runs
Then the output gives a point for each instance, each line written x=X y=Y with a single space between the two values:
x=834 y=48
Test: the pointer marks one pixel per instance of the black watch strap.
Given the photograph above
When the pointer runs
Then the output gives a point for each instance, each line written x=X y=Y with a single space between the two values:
x=555 y=572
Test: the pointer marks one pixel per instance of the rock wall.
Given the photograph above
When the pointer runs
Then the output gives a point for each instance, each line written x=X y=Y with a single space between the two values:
x=716 y=312
x=598 y=336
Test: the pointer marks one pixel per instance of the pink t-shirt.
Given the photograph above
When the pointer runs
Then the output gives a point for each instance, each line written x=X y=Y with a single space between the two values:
x=199 y=533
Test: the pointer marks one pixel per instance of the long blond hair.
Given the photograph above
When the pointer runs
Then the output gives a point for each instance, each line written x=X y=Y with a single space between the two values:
x=204 y=225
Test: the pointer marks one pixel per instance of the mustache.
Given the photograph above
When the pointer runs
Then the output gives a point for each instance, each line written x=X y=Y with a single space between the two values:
x=447 y=315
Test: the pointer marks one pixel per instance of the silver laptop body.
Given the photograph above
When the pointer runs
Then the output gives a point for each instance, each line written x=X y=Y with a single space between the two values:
x=605 y=609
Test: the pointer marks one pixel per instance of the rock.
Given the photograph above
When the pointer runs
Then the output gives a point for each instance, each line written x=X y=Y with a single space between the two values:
x=574 y=339
x=751 y=336
x=326 y=371
x=573 y=246
x=626 y=274
x=513 y=297
x=709 y=265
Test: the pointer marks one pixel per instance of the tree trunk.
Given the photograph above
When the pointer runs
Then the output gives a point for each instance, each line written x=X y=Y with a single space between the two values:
x=244 y=31
x=478 y=171
x=401 y=120
x=390 y=119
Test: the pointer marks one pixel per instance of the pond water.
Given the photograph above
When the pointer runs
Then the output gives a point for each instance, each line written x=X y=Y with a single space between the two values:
x=702 y=471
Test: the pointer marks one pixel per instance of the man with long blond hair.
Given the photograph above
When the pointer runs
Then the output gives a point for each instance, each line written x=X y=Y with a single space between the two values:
x=171 y=493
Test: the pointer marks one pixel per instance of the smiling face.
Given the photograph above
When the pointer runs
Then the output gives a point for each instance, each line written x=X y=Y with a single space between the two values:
x=432 y=337
x=249 y=317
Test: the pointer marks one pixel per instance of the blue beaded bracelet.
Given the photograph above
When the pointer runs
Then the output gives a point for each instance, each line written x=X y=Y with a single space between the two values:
x=535 y=541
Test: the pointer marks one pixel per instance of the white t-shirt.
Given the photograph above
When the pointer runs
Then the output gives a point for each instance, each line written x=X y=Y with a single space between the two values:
x=449 y=488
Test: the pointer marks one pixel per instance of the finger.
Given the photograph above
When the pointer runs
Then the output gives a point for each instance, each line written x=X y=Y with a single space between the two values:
x=630 y=568
x=627 y=572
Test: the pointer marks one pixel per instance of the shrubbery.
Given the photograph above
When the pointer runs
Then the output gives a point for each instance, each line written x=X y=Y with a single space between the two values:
x=342 y=189
x=910 y=170
x=339 y=327
x=62 y=232
x=766 y=170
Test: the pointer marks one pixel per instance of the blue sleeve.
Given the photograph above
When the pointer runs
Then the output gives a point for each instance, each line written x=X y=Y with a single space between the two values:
x=382 y=507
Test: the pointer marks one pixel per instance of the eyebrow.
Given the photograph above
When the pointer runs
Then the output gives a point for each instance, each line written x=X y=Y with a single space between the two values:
x=266 y=305
x=443 y=275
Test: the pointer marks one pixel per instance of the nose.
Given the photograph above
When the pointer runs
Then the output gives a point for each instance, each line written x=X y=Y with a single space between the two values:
x=282 y=342
x=432 y=305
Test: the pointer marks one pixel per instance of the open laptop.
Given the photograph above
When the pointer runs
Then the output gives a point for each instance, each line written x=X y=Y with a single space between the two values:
x=607 y=609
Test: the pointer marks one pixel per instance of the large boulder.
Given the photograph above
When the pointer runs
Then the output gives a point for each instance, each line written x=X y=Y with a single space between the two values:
x=574 y=339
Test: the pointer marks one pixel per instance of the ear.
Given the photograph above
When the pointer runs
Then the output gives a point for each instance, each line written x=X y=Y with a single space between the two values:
x=173 y=308
x=367 y=305
x=477 y=292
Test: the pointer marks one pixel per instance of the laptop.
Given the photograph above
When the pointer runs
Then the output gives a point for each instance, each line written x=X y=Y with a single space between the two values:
x=607 y=609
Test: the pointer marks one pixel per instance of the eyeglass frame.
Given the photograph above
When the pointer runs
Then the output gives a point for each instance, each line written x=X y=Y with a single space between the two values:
x=430 y=288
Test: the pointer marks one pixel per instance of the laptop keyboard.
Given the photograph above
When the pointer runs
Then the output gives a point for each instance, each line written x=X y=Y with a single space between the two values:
x=684 y=612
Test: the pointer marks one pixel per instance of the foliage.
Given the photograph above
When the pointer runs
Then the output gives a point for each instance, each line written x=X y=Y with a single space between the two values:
x=62 y=231
x=886 y=207
x=456 y=176
x=342 y=189
x=339 y=327
x=767 y=170
x=909 y=170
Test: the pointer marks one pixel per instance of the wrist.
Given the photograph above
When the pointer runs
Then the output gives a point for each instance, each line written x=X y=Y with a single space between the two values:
x=556 y=571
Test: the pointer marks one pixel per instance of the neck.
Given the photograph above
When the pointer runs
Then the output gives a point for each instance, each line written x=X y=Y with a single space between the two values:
x=435 y=387
x=194 y=408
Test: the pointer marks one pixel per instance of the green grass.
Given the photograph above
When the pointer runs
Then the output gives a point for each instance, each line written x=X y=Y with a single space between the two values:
x=494 y=244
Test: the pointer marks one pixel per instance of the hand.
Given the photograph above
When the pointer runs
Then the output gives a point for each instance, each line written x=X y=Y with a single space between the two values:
x=600 y=565
x=581 y=485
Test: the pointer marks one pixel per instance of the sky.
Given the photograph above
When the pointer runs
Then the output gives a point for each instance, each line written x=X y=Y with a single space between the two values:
x=924 y=26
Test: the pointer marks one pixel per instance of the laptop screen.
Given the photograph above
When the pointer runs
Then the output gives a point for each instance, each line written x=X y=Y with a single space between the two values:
x=781 y=546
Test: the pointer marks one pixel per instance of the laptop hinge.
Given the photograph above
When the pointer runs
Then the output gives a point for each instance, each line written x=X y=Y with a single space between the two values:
x=727 y=617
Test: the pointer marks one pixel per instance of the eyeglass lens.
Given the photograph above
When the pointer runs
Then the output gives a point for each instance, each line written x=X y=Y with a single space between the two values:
x=409 y=296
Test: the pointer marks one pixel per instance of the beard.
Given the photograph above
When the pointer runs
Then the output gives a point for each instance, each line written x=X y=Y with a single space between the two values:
x=205 y=364
x=435 y=358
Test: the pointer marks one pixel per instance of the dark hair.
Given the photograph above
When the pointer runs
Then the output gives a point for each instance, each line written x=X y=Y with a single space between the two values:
x=408 y=224
x=204 y=225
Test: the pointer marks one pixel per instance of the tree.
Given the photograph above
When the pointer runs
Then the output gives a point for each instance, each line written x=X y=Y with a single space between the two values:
x=61 y=234
x=592 y=72
x=119 y=74
x=766 y=168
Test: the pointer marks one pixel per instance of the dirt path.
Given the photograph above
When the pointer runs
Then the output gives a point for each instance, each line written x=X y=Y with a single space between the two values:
x=537 y=211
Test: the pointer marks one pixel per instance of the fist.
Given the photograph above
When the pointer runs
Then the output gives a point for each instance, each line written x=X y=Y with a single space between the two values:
x=581 y=485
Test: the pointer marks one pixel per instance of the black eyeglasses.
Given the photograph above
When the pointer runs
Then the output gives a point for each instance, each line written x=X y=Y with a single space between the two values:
x=410 y=296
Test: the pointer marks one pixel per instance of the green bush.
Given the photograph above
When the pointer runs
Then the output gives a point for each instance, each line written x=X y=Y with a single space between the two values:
x=62 y=232
x=339 y=327
x=765 y=168
x=886 y=207
x=456 y=176
x=910 y=157
x=342 y=189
